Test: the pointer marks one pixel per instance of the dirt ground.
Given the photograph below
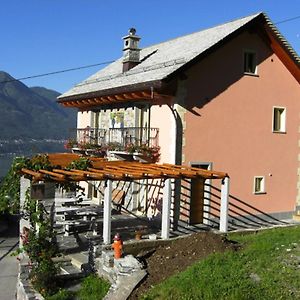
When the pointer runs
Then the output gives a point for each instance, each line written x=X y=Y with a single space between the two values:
x=178 y=255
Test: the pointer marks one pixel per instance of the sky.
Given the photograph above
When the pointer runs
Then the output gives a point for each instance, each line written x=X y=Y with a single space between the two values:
x=41 y=36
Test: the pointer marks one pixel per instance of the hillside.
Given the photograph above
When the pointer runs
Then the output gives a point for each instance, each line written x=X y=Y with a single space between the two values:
x=32 y=113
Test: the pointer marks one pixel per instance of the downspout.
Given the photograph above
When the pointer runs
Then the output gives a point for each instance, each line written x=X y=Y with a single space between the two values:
x=177 y=159
x=149 y=115
x=148 y=142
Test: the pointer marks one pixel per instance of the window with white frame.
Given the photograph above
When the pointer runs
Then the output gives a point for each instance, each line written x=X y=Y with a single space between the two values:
x=259 y=185
x=250 y=64
x=279 y=119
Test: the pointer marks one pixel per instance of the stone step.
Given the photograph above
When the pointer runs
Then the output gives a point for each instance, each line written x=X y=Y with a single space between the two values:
x=67 y=243
x=78 y=259
x=61 y=260
x=70 y=269
x=296 y=217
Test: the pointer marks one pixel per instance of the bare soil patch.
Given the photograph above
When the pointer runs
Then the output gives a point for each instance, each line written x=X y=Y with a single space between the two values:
x=175 y=257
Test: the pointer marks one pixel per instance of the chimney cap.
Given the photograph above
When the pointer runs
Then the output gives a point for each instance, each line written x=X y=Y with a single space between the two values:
x=132 y=31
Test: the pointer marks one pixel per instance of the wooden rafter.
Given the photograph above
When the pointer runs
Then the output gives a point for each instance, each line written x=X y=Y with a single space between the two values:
x=129 y=97
x=116 y=170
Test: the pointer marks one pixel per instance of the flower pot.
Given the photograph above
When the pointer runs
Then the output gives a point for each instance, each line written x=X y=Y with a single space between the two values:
x=138 y=235
x=78 y=151
x=95 y=153
x=142 y=158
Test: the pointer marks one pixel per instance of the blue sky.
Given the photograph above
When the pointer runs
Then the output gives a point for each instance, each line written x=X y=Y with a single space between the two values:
x=40 y=36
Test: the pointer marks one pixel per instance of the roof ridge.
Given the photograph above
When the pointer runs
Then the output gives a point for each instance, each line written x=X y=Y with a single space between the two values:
x=173 y=55
x=198 y=31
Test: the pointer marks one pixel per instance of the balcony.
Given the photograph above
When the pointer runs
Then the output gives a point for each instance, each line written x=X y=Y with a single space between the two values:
x=133 y=135
x=124 y=143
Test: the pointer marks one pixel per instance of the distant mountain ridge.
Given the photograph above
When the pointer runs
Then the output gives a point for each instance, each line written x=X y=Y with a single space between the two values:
x=32 y=113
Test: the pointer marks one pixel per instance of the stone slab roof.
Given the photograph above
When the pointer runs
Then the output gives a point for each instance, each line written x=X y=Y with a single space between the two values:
x=161 y=60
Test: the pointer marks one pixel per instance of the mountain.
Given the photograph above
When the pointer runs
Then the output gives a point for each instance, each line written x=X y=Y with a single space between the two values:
x=32 y=113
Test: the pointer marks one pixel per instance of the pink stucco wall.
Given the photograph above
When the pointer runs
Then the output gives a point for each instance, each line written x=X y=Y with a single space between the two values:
x=162 y=118
x=229 y=122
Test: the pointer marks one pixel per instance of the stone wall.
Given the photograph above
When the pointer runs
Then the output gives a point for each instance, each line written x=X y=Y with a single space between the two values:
x=25 y=290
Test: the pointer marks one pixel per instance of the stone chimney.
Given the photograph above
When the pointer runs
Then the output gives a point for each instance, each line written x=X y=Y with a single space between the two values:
x=131 y=51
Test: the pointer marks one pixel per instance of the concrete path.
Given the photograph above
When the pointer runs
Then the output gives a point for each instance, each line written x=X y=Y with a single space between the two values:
x=8 y=265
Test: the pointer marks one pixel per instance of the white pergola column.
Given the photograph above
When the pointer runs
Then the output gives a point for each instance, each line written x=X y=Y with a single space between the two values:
x=107 y=213
x=25 y=184
x=166 y=209
x=224 y=205
x=206 y=202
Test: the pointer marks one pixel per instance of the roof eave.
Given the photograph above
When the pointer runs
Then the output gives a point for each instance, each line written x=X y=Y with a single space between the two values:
x=156 y=84
x=283 y=49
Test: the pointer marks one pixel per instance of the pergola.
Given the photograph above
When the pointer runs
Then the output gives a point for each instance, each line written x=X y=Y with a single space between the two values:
x=109 y=171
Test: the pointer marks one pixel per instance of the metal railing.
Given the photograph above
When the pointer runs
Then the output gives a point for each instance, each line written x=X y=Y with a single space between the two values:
x=88 y=135
x=122 y=136
x=133 y=135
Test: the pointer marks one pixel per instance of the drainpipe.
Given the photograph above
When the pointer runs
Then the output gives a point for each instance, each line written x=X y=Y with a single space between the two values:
x=148 y=143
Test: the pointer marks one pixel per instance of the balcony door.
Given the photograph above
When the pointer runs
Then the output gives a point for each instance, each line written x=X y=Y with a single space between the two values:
x=143 y=122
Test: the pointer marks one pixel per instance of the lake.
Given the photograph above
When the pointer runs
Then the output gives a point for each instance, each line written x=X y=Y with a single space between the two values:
x=28 y=150
x=5 y=162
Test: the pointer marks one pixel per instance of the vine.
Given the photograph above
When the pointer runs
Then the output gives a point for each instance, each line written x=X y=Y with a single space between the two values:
x=82 y=163
x=39 y=247
x=10 y=187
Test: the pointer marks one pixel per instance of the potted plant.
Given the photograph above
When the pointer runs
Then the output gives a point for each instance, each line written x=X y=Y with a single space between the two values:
x=144 y=152
x=91 y=149
x=70 y=143
x=139 y=232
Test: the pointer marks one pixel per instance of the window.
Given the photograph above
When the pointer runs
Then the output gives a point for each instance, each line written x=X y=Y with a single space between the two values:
x=250 y=62
x=259 y=185
x=279 y=116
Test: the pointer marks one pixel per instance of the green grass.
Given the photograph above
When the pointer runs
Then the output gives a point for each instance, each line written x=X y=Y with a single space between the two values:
x=93 y=288
x=62 y=295
x=266 y=267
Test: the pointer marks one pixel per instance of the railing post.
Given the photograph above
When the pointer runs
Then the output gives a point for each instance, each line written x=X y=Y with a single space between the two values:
x=166 y=209
x=224 y=205
x=107 y=213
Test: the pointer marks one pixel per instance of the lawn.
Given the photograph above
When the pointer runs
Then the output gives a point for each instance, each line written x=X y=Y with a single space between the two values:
x=267 y=266
x=92 y=288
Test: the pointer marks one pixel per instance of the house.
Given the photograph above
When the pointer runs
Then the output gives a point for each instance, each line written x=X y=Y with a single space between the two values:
x=225 y=98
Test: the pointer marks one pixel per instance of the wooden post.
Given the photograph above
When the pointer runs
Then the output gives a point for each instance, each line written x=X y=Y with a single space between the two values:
x=166 y=208
x=224 y=205
x=107 y=213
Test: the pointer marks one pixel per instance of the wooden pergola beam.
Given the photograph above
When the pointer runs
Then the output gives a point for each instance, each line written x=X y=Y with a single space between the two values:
x=118 y=170
x=36 y=175
x=53 y=174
